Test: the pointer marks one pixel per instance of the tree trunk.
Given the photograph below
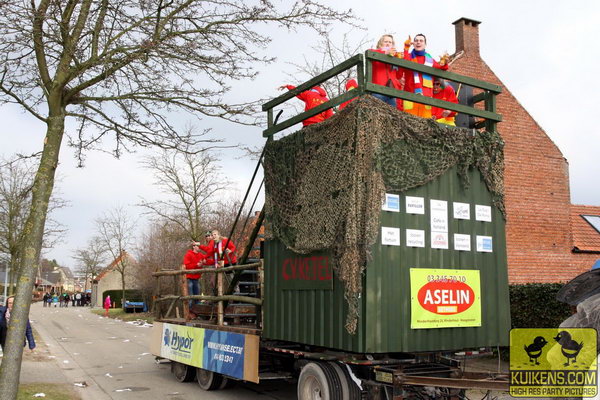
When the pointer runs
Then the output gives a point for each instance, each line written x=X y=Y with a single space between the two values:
x=123 y=286
x=30 y=251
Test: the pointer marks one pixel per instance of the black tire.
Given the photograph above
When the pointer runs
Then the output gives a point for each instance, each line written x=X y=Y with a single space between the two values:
x=319 y=381
x=208 y=380
x=226 y=383
x=349 y=389
x=182 y=372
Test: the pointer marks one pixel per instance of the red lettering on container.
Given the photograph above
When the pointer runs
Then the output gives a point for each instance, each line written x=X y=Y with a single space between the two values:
x=306 y=268
x=284 y=273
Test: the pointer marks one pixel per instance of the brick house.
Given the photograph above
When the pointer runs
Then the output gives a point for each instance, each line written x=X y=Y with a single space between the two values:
x=585 y=226
x=110 y=278
x=541 y=245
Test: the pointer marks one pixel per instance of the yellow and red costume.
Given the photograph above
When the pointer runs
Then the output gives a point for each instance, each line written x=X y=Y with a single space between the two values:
x=446 y=94
x=419 y=83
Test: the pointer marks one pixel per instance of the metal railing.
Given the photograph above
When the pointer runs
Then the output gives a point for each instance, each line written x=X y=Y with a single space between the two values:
x=364 y=72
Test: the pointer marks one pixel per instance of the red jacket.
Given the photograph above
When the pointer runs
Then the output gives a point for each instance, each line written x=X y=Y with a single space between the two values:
x=383 y=72
x=350 y=85
x=193 y=260
x=313 y=98
x=446 y=94
x=216 y=250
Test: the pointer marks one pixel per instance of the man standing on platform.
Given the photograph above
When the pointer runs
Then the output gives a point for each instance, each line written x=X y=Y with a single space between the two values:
x=417 y=82
x=193 y=260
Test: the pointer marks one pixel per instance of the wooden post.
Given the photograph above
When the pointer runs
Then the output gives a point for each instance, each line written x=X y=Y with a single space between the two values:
x=261 y=279
x=220 y=317
x=186 y=304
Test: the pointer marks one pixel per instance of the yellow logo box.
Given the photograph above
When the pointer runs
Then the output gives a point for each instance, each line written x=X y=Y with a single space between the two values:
x=547 y=362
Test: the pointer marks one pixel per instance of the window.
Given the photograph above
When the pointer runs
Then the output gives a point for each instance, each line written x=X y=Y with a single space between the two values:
x=593 y=220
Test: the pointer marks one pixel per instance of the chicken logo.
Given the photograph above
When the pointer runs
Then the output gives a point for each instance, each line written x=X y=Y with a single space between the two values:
x=534 y=350
x=553 y=363
x=569 y=347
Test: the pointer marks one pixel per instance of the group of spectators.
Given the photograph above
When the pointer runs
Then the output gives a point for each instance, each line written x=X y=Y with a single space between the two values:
x=216 y=251
x=78 y=299
x=398 y=78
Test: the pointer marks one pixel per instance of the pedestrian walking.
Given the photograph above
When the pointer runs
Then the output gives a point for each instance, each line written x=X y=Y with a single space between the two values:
x=107 y=305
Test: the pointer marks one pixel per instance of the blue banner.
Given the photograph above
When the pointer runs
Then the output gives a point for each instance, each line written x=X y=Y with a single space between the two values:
x=224 y=353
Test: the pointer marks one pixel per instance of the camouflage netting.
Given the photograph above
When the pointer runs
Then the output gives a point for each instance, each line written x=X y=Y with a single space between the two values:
x=325 y=184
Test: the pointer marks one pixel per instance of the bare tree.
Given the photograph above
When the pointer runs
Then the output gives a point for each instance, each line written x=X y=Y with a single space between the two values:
x=192 y=183
x=16 y=182
x=90 y=259
x=330 y=53
x=165 y=244
x=121 y=68
x=116 y=234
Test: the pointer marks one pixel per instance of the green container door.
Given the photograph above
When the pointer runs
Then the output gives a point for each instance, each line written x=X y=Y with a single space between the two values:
x=390 y=298
x=303 y=304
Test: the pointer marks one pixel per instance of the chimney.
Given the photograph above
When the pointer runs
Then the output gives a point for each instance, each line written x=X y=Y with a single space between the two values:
x=467 y=35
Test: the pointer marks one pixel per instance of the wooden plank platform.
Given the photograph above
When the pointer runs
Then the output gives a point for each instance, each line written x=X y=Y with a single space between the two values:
x=245 y=329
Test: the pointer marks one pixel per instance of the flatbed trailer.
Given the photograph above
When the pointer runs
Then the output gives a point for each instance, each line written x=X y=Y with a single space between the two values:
x=434 y=281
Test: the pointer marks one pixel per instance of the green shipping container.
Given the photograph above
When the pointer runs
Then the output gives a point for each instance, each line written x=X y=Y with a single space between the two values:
x=436 y=280
x=426 y=270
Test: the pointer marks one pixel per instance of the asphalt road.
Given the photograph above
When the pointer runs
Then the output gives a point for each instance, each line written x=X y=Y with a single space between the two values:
x=113 y=360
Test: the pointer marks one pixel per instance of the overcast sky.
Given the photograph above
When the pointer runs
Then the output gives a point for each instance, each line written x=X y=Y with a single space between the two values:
x=545 y=52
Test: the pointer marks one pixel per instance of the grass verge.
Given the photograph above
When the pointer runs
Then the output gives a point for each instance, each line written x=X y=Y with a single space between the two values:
x=52 y=391
x=119 y=313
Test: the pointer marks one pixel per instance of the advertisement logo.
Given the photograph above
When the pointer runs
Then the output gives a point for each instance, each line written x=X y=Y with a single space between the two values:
x=553 y=362
x=446 y=298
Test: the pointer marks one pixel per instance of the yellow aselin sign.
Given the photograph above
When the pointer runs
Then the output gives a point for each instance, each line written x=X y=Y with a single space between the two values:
x=444 y=298
x=553 y=362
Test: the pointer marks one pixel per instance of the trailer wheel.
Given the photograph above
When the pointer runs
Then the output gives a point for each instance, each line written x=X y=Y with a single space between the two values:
x=349 y=389
x=208 y=380
x=182 y=372
x=319 y=381
x=226 y=383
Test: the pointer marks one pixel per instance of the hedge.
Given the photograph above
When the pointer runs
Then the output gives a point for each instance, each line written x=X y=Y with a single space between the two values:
x=116 y=296
x=534 y=305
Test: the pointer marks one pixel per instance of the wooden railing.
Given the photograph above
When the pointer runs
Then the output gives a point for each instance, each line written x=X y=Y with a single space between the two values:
x=220 y=298
x=364 y=72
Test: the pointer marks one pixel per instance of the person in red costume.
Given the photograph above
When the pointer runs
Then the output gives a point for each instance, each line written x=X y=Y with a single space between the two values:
x=385 y=74
x=443 y=91
x=221 y=253
x=417 y=82
x=223 y=256
x=312 y=98
x=350 y=85
x=193 y=259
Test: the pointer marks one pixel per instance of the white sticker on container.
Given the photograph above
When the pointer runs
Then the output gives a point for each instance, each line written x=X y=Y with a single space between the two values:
x=462 y=210
x=462 y=242
x=390 y=236
x=483 y=213
x=392 y=203
x=484 y=244
x=439 y=240
x=415 y=238
x=415 y=205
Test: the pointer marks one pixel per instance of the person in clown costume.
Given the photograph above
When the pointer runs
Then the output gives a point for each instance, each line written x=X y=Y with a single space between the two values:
x=443 y=91
x=312 y=98
x=417 y=82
